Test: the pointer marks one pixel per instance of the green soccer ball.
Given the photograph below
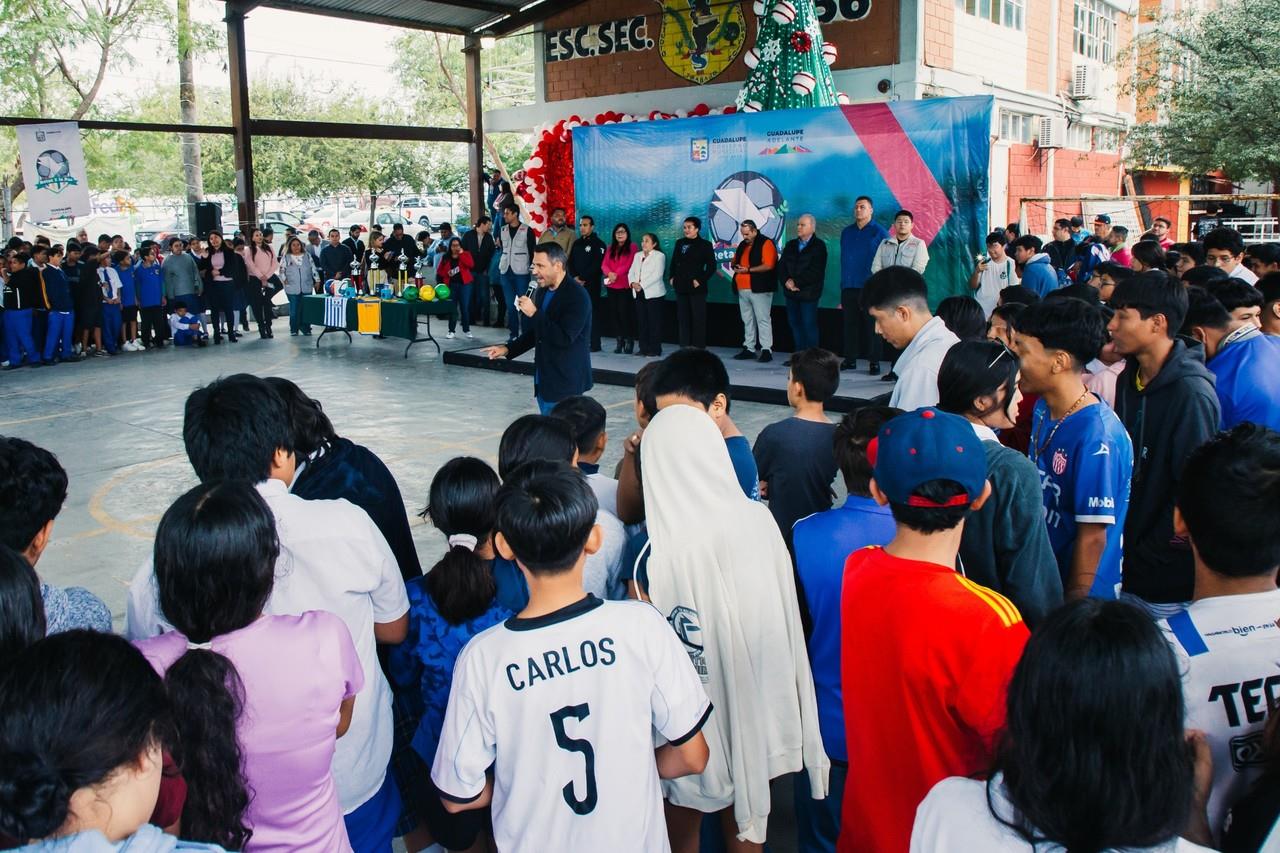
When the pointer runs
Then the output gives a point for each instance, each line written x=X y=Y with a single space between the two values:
x=410 y=292
x=442 y=291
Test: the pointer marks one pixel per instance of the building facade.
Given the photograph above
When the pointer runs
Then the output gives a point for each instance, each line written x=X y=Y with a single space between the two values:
x=1041 y=59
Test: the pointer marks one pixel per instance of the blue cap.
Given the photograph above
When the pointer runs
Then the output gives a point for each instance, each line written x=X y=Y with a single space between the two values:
x=1102 y=219
x=925 y=445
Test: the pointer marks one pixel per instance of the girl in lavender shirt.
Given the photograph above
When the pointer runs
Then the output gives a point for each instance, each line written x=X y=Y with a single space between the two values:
x=259 y=701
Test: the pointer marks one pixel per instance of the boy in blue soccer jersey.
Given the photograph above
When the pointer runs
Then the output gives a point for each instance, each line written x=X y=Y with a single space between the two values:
x=1080 y=447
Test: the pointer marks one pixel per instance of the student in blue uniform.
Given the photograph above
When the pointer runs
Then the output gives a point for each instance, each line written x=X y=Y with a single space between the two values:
x=61 y=310
x=1244 y=362
x=457 y=599
x=822 y=543
x=1081 y=448
x=122 y=261
x=149 y=279
x=21 y=294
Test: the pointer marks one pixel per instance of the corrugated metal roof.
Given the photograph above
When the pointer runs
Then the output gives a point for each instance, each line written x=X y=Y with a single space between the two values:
x=496 y=17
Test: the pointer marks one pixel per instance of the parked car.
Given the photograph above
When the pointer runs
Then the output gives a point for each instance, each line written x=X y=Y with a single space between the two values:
x=159 y=229
x=427 y=211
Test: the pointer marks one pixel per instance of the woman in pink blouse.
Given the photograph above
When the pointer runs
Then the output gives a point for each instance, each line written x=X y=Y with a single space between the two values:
x=262 y=266
x=616 y=265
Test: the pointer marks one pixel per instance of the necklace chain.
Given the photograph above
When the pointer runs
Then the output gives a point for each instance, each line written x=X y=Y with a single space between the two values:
x=1040 y=448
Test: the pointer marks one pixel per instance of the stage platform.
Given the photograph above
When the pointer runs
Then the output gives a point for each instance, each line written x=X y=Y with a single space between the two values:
x=750 y=381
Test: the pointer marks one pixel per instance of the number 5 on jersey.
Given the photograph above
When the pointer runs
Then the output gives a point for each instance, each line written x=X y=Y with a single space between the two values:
x=587 y=804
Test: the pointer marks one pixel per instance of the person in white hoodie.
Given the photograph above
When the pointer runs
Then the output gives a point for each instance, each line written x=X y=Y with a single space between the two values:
x=898 y=301
x=720 y=574
x=646 y=279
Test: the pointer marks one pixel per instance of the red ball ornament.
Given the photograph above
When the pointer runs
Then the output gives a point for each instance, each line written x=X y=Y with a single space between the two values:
x=801 y=42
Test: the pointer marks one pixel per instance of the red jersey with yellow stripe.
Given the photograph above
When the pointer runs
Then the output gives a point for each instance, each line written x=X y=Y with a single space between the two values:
x=926 y=657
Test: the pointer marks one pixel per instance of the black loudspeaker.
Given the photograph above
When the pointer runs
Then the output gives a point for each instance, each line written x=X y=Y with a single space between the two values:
x=206 y=216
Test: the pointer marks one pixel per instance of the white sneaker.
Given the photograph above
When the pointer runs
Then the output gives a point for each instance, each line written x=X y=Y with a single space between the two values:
x=471 y=335
x=79 y=349
x=450 y=336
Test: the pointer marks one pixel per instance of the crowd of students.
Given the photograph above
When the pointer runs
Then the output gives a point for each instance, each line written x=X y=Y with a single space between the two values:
x=65 y=303
x=1046 y=615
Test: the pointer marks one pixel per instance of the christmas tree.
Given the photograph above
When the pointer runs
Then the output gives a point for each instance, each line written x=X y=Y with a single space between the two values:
x=790 y=63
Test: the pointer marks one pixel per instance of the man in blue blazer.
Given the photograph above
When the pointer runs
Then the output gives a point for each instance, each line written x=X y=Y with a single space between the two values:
x=558 y=332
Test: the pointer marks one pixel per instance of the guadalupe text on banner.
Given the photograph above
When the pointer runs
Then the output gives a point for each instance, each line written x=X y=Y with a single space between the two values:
x=53 y=169
x=931 y=157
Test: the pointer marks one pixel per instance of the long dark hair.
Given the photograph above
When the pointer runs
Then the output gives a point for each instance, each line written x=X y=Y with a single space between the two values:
x=310 y=426
x=462 y=502
x=615 y=248
x=973 y=369
x=1093 y=754
x=74 y=709
x=215 y=555
x=253 y=247
x=21 y=607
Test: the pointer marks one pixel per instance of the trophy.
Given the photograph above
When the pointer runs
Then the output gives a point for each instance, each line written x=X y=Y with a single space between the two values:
x=403 y=278
x=355 y=274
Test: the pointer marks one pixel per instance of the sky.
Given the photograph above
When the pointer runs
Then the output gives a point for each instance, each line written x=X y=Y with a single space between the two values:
x=351 y=55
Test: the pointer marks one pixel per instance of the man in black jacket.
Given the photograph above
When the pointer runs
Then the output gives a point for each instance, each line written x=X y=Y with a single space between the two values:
x=585 y=256
x=393 y=246
x=1165 y=397
x=693 y=263
x=558 y=330
x=354 y=243
x=478 y=242
x=335 y=258
x=1061 y=249
x=802 y=270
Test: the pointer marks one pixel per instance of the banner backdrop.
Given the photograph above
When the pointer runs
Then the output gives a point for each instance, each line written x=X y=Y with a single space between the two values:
x=53 y=170
x=930 y=157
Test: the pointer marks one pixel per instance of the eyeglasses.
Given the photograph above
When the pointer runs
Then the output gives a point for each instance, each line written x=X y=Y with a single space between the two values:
x=1004 y=350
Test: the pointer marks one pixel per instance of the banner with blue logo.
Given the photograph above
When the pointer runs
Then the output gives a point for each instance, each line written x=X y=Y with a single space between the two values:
x=930 y=157
x=53 y=170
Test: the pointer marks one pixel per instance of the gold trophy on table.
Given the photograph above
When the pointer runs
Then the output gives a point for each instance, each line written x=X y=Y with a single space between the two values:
x=402 y=279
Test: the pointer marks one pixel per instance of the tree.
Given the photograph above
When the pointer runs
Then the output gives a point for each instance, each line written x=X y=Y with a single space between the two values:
x=428 y=60
x=191 y=39
x=789 y=63
x=39 y=77
x=1211 y=77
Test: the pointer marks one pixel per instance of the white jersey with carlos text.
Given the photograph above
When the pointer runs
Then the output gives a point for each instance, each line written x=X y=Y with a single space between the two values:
x=564 y=708
x=1229 y=650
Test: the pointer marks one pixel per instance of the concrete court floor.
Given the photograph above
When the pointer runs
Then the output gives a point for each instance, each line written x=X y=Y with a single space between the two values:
x=115 y=424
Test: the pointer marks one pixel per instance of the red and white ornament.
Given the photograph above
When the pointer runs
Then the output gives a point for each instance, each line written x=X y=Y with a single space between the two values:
x=758 y=8
x=842 y=99
x=829 y=53
x=752 y=107
x=751 y=58
x=784 y=12
x=803 y=83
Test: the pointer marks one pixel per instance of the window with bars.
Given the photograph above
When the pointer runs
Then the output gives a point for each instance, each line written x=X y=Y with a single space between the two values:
x=1108 y=141
x=1017 y=127
x=1007 y=13
x=1094 y=30
x=1079 y=136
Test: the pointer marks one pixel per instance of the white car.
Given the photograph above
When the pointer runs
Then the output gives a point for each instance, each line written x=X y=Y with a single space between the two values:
x=428 y=211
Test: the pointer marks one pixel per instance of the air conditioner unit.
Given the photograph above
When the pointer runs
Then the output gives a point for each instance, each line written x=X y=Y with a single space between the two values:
x=1084 y=82
x=1052 y=132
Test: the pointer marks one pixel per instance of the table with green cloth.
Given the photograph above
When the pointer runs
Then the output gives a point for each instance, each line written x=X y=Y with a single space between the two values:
x=400 y=318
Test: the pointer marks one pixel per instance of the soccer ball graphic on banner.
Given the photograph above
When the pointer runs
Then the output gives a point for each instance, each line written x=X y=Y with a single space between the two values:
x=53 y=171
x=744 y=195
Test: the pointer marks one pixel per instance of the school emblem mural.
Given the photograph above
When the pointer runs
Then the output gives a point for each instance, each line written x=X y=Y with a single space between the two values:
x=700 y=38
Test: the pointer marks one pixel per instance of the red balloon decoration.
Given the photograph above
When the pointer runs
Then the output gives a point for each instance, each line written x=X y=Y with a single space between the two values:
x=546 y=182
